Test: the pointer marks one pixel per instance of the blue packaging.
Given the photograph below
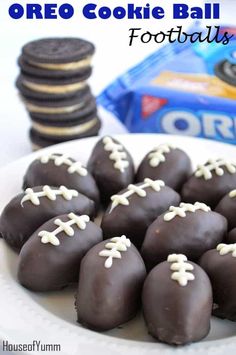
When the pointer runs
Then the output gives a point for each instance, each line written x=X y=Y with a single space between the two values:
x=184 y=89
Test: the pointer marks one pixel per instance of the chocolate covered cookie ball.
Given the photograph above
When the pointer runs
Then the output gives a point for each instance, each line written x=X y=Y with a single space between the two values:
x=50 y=259
x=135 y=208
x=210 y=182
x=167 y=163
x=177 y=301
x=111 y=166
x=187 y=229
x=29 y=210
x=220 y=265
x=227 y=207
x=110 y=284
x=231 y=237
x=60 y=169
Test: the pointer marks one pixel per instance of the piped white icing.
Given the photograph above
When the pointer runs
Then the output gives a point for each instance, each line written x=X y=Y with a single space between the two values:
x=73 y=167
x=232 y=194
x=183 y=208
x=181 y=269
x=114 y=249
x=158 y=155
x=47 y=191
x=225 y=249
x=215 y=165
x=118 y=155
x=123 y=199
x=66 y=227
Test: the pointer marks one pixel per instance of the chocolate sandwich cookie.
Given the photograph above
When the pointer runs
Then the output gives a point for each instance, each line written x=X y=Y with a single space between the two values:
x=41 y=140
x=36 y=95
x=61 y=131
x=52 y=88
x=83 y=104
x=226 y=72
x=63 y=110
x=63 y=55
x=28 y=69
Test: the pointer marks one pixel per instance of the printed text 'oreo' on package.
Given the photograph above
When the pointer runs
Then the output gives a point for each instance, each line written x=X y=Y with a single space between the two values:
x=187 y=89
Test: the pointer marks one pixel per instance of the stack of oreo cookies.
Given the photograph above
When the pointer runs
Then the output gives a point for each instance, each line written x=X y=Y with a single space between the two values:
x=54 y=89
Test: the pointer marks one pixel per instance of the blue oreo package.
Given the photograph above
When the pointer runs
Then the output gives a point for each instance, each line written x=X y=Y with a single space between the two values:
x=184 y=89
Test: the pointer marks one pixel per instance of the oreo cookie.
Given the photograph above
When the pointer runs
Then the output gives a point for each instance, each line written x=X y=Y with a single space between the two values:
x=52 y=88
x=29 y=69
x=64 y=131
x=42 y=140
x=226 y=72
x=49 y=108
x=63 y=55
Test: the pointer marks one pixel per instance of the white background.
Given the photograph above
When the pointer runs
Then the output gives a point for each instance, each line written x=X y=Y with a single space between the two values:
x=113 y=57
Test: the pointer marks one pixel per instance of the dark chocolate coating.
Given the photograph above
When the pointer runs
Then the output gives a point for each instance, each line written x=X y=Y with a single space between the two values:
x=177 y=314
x=107 y=298
x=221 y=270
x=231 y=237
x=50 y=174
x=227 y=207
x=208 y=191
x=109 y=180
x=192 y=236
x=45 y=267
x=134 y=219
x=18 y=223
x=174 y=171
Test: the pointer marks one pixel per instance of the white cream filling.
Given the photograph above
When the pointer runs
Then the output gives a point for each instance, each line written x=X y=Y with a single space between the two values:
x=53 y=110
x=54 y=89
x=86 y=62
x=65 y=131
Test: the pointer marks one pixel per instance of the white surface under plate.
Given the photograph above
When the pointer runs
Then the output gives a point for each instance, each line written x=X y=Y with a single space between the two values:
x=51 y=317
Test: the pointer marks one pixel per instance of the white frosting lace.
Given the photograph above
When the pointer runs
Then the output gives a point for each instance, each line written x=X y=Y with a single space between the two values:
x=66 y=227
x=181 y=269
x=47 y=191
x=118 y=155
x=73 y=167
x=114 y=249
x=123 y=199
x=158 y=155
x=183 y=208
x=215 y=165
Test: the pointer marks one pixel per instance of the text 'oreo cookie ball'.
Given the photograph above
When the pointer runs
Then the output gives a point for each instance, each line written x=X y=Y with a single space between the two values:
x=227 y=207
x=29 y=210
x=50 y=259
x=60 y=169
x=111 y=166
x=135 y=208
x=220 y=265
x=167 y=163
x=210 y=182
x=177 y=301
x=110 y=284
x=187 y=229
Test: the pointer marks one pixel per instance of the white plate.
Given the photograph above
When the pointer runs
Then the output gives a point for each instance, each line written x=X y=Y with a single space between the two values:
x=51 y=318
